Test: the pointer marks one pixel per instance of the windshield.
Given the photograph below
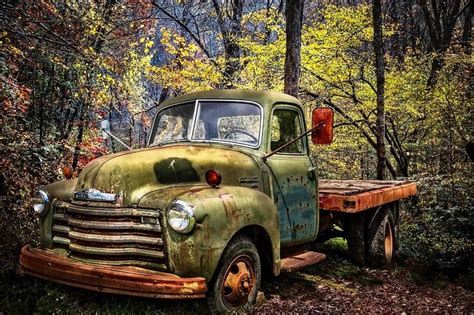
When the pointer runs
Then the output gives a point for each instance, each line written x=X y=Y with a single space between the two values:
x=220 y=121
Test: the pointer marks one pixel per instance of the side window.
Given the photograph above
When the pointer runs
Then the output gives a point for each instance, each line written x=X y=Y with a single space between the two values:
x=286 y=126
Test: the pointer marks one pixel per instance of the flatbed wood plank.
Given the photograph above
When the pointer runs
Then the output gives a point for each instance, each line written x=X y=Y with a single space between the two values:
x=358 y=195
x=349 y=187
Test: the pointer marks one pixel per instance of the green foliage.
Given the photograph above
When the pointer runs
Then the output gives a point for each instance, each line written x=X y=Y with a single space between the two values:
x=439 y=230
x=263 y=43
x=186 y=70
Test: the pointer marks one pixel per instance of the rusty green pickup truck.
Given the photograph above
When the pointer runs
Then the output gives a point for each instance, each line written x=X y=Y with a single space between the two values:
x=224 y=192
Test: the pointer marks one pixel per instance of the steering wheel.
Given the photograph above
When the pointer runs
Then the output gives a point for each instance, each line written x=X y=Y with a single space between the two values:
x=237 y=130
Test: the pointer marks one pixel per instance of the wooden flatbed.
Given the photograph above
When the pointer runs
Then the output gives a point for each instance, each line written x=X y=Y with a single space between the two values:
x=358 y=195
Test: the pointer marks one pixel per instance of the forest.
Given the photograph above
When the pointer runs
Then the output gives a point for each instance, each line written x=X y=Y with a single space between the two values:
x=396 y=73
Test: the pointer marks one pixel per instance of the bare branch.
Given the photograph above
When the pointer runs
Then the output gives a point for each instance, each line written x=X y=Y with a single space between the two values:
x=188 y=30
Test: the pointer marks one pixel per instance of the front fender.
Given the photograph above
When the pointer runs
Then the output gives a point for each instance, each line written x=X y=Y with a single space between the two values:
x=220 y=213
x=61 y=190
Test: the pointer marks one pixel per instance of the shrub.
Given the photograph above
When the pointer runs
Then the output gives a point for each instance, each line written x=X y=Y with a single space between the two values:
x=438 y=229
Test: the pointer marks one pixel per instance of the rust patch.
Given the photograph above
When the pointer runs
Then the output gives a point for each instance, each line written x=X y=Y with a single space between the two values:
x=189 y=288
x=299 y=227
x=229 y=205
x=355 y=196
x=123 y=280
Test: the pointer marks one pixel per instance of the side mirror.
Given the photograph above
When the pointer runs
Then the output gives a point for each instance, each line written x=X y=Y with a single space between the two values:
x=323 y=120
x=105 y=127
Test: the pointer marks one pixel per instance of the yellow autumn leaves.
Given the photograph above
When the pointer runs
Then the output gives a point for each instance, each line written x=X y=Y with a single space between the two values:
x=187 y=68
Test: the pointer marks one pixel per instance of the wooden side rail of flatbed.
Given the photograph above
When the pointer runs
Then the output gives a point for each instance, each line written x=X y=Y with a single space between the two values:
x=358 y=195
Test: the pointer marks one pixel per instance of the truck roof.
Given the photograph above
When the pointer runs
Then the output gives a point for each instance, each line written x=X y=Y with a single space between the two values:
x=265 y=98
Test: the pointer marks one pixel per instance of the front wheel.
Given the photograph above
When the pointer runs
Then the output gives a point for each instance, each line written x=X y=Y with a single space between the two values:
x=237 y=279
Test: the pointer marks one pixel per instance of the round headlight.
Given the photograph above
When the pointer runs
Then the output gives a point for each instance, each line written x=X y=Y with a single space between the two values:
x=40 y=201
x=181 y=216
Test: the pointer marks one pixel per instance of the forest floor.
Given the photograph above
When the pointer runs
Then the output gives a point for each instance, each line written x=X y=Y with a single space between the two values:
x=333 y=286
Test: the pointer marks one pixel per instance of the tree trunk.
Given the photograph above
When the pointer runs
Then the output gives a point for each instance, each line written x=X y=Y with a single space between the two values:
x=294 y=21
x=231 y=32
x=397 y=46
x=232 y=50
x=112 y=142
x=466 y=34
x=436 y=65
x=440 y=22
x=80 y=133
x=380 y=75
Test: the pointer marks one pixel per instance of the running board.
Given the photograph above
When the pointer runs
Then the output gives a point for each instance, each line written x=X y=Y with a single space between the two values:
x=298 y=261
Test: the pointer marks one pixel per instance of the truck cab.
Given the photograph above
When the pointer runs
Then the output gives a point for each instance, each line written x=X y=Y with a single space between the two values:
x=223 y=192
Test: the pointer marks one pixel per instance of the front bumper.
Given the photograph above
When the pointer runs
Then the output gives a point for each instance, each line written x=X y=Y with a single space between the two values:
x=49 y=265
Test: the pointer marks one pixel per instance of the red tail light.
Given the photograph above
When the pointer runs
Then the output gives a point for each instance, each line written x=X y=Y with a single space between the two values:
x=213 y=178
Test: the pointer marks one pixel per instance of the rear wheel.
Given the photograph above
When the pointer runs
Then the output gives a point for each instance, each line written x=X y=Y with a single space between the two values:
x=381 y=239
x=237 y=279
x=355 y=235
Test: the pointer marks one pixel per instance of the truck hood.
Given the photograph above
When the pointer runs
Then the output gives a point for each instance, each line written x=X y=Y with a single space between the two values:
x=133 y=174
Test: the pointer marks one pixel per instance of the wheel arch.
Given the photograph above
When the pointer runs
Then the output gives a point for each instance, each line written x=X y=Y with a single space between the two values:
x=261 y=239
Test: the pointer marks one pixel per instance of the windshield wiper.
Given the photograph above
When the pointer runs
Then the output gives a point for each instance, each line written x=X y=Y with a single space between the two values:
x=169 y=141
x=214 y=141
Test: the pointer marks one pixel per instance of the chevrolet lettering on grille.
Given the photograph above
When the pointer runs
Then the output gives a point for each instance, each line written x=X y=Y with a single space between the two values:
x=94 y=195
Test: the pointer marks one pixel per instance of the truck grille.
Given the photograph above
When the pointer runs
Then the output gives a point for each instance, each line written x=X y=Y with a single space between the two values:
x=111 y=236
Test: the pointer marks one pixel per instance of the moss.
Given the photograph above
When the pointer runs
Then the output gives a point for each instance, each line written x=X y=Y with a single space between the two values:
x=336 y=245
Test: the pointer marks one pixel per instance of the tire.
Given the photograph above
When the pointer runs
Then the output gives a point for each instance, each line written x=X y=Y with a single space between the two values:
x=396 y=216
x=381 y=239
x=237 y=279
x=355 y=235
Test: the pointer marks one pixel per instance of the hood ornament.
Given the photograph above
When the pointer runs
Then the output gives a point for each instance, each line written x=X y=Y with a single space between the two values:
x=94 y=195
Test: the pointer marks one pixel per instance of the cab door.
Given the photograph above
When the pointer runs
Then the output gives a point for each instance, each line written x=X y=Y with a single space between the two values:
x=294 y=183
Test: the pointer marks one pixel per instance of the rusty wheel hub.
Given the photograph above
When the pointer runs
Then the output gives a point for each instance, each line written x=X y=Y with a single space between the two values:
x=238 y=282
x=388 y=242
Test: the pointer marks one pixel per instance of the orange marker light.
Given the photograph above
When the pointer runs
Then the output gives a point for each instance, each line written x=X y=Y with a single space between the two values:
x=67 y=172
x=213 y=178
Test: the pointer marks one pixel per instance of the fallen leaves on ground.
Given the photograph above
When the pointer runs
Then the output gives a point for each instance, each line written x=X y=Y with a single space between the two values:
x=363 y=291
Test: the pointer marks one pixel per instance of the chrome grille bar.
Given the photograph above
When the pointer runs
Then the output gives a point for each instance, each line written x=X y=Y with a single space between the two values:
x=118 y=236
